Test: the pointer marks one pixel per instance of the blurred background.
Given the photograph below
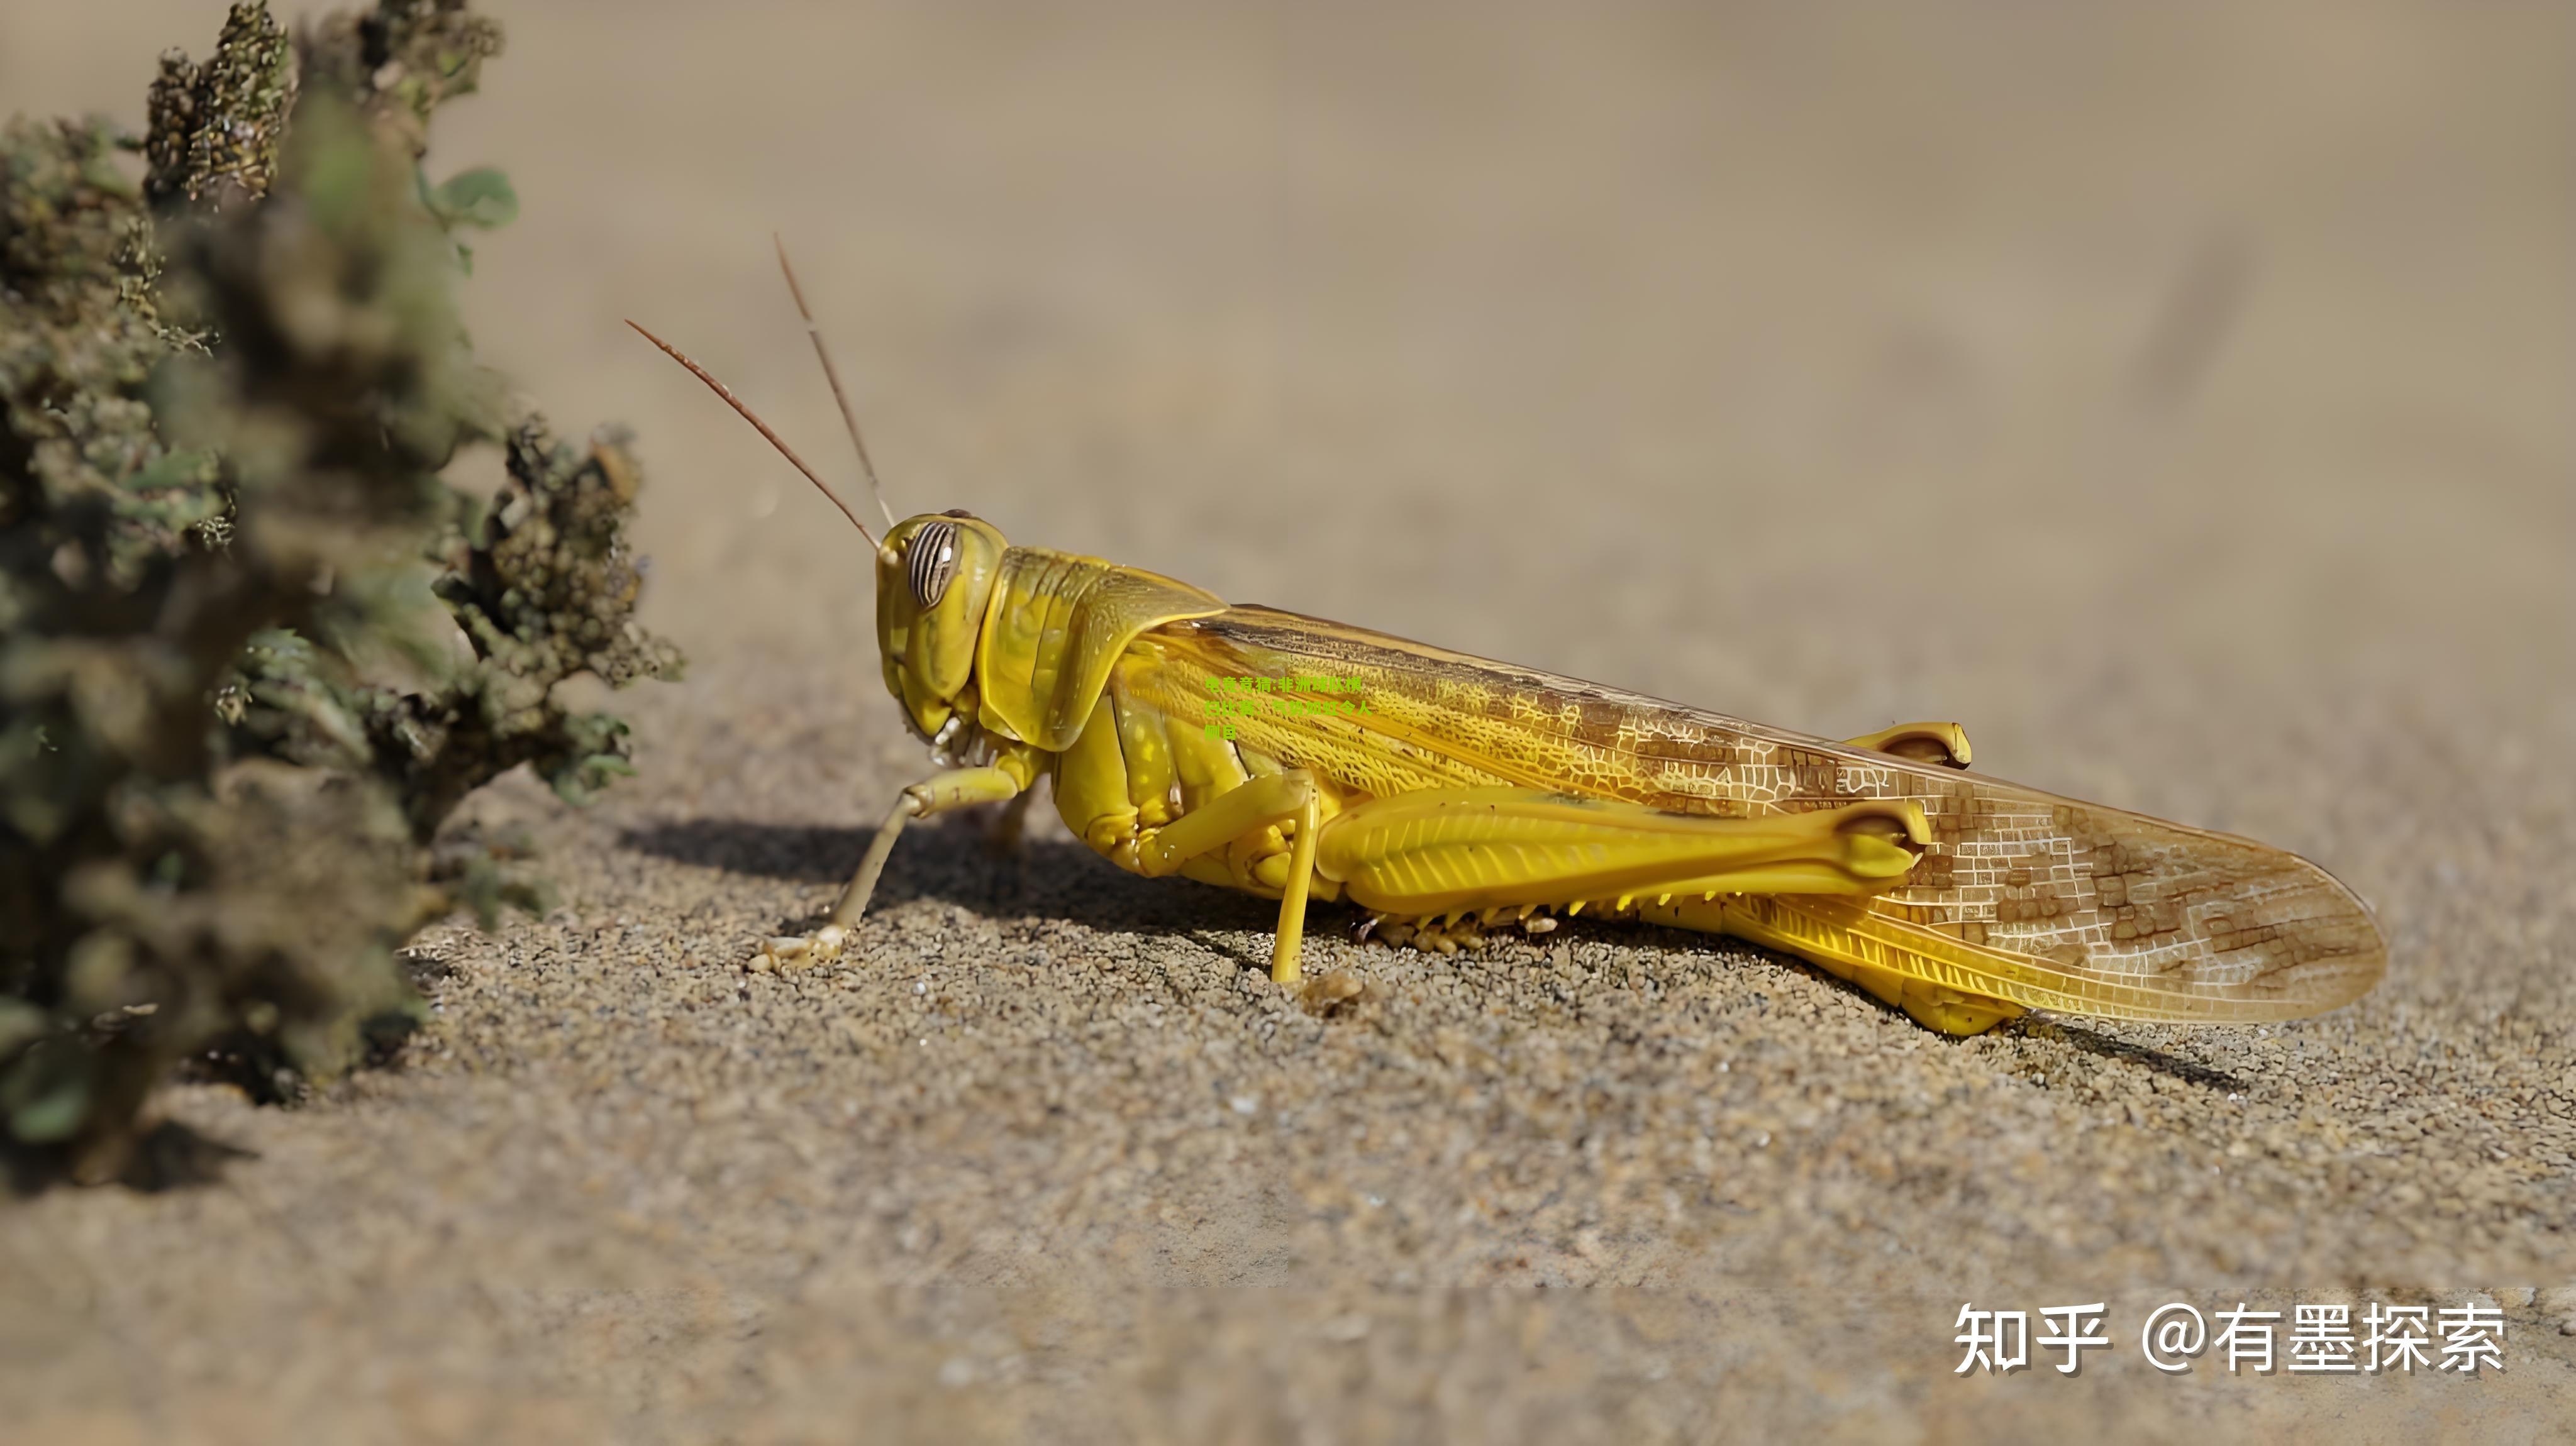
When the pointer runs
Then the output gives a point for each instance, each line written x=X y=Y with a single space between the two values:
x=2175 y=394
x=1995 y=361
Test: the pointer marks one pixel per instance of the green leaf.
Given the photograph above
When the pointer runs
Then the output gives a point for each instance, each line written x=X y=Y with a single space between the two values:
x=480 y=197
x=19 y=1023
x=182 y=468
x=54 y=1116
x=580 y=781
x=46 y=1094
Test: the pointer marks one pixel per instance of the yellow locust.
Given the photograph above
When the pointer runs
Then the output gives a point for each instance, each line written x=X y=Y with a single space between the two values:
x=1445 y=795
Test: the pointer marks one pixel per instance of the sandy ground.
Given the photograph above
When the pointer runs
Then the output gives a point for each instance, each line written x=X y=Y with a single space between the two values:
x=2177 y=396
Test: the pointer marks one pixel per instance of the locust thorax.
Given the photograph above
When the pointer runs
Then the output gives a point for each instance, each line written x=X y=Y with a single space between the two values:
x=935 y=576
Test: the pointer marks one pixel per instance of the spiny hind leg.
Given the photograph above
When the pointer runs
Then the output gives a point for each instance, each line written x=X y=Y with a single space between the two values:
x=957 y=788
x=1934 y=1006
x=1959 y=1014
x=1440 y=867
x=1450 y=933
x=1466 y=851
x=1930 y=1005
x=1895 y=962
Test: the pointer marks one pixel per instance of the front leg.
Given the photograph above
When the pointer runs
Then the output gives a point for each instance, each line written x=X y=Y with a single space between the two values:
x=957 y=788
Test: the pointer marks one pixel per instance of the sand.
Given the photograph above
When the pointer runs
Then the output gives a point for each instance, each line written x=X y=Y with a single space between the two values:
x=2175 y=396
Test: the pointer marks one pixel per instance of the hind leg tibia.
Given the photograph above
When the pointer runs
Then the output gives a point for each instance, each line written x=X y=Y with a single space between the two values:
x=1897 y=962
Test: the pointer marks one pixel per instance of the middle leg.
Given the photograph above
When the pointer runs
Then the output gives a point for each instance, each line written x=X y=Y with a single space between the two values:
x=1280 y=798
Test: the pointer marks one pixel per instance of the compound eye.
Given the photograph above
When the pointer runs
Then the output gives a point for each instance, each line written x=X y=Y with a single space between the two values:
x=932 y=562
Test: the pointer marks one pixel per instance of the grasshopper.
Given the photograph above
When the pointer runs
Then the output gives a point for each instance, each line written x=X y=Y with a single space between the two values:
x=1446 y=796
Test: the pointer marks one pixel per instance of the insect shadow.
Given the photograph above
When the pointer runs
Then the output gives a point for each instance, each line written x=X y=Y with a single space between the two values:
x=947 y=860
x=169 y=1156
x=2104 y=1046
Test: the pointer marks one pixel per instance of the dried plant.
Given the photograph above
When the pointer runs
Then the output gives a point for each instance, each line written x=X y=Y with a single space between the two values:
x=253 y=648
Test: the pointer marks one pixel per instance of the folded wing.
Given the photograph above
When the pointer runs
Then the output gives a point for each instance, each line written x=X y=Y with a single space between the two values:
x=2051 y=902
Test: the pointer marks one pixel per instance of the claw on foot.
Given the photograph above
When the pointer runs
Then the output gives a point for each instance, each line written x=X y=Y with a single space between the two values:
x=786 y=954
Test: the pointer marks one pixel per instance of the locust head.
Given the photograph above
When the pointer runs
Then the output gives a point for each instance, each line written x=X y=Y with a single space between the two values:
x=935 y=576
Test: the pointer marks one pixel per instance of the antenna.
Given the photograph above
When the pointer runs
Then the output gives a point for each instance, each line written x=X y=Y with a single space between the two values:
x=748 y=415
x=832 y=374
